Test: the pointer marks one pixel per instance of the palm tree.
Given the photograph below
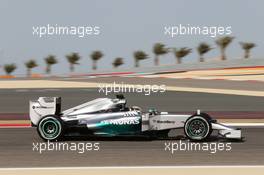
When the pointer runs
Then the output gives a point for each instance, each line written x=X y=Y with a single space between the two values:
x=202 y=49
x=50 y=60
x=73 y=59
x=159 y=49
x=247 y=47
x=180 y=53
x=30 y=64
x=139 y=55
x=95 y=56
x=222 y=43
x=118 y=62
x=9 y=68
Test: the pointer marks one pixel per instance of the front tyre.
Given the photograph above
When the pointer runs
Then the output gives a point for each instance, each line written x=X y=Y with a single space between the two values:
x=198 y=128
x=50 y=128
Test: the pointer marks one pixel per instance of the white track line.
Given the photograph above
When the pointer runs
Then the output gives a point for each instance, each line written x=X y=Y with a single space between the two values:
x=134 y=167
x=15 y=127
x=21 y=90
x=244 y=124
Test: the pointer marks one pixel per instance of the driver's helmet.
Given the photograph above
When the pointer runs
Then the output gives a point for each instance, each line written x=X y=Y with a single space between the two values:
x=152 y=111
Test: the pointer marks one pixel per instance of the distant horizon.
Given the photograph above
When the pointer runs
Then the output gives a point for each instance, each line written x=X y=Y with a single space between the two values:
x=146 y=69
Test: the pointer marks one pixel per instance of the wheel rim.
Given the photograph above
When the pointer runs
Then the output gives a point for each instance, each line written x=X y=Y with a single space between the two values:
x=50 y=128
x=197 y=129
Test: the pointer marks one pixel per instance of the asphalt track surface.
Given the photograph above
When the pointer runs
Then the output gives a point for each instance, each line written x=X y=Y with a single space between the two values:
x=17 y=100
x=16 y=150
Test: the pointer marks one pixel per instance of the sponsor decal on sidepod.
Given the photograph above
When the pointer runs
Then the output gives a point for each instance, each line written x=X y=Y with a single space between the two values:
x=123 y=121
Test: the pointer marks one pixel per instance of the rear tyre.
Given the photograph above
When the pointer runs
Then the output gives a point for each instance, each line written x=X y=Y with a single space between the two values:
x=50 y=128
x=198 y=127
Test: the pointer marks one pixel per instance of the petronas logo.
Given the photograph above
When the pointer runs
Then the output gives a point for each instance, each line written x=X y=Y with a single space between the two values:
x=123 y=121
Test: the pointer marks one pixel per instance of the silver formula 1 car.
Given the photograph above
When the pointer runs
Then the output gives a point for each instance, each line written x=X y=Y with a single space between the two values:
x=111 y=117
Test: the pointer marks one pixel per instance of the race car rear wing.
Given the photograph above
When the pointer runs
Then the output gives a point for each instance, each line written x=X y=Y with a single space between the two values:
x=44 y=106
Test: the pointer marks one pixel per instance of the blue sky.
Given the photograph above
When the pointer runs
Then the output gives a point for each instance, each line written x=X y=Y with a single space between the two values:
x=125 y=25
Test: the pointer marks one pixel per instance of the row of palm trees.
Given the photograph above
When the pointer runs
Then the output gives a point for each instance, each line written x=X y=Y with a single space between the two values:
x=159 y=49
